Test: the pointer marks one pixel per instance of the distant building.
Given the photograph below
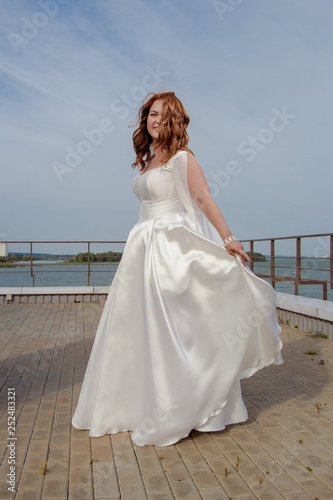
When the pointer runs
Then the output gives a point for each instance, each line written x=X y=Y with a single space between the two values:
x=3 y=249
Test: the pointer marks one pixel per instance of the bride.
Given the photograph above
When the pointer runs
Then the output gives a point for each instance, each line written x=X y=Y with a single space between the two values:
x=185 y=320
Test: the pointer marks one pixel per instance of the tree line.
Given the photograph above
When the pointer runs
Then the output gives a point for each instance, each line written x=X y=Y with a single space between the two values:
x=98 y=257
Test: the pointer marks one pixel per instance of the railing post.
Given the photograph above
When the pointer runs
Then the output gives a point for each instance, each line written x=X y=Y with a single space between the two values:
x=273 y=264
x=31 y=266
x=251 y=256
x=88 y=263
x=298 y=265
x=331 y=260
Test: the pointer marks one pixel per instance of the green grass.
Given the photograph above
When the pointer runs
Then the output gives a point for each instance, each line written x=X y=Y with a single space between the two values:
x=312 y=352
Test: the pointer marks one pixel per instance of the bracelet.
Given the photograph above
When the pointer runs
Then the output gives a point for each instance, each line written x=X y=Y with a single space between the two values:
x=229 y=240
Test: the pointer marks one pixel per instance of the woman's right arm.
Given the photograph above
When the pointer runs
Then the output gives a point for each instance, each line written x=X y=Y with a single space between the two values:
x=200 y=193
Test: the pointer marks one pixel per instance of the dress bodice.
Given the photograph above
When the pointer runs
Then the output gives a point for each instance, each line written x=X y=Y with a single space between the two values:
x=157 y=193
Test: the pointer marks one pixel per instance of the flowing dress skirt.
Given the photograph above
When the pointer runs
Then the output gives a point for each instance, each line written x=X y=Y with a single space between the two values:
x=183 y=323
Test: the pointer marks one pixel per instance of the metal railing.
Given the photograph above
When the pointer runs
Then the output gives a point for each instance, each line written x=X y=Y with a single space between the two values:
x=298 y=279
x=88 y=262
x=273 y=275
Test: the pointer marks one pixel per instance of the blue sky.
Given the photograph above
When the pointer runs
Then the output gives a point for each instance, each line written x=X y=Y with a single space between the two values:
x=255 y=77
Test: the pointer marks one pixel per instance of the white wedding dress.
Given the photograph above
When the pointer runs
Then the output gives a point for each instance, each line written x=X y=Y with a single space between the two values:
x=184 y=321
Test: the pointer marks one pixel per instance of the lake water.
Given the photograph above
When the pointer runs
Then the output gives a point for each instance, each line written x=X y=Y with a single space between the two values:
x=102 y=275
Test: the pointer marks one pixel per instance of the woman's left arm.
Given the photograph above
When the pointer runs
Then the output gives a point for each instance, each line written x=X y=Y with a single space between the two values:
x=202 y=197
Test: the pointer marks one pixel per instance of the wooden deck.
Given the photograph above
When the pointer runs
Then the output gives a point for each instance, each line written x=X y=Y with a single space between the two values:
x=284 y=450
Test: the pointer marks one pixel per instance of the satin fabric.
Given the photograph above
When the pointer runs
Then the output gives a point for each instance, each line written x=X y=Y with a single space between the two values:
x=183 y=323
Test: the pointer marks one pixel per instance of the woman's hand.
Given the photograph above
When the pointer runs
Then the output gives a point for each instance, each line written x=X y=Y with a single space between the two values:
x=236 y=248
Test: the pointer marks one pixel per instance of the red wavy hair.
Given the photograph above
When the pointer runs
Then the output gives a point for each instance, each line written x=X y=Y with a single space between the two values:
x=172 y=136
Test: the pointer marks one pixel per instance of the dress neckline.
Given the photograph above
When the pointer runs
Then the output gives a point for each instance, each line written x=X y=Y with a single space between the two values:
x=150 y=169
x=163 y=165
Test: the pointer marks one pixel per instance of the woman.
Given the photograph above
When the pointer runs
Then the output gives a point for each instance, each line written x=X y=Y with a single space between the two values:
x=185 y=319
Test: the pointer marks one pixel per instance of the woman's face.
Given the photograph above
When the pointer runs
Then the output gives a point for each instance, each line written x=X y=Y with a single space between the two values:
x=153 y=120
